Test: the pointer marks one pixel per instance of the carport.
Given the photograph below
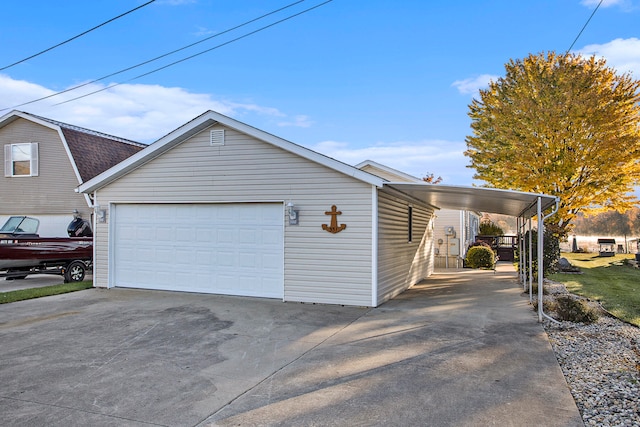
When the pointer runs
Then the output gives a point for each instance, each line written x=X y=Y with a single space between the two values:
x=524 y=206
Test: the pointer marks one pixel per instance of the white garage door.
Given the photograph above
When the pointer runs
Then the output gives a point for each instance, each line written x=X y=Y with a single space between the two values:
x=232 y=249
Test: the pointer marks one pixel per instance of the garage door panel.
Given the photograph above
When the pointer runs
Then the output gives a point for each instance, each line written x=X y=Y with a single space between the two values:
x=230 y=249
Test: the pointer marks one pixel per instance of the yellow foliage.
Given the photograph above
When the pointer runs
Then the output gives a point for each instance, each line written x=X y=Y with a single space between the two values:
x=563 y=125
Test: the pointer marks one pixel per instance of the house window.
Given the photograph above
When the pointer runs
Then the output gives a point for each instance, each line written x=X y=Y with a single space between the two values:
x=410 y=224
x=21 y=159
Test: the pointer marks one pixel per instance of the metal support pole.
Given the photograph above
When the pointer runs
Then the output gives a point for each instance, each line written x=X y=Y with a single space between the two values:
x=521 y=254
x=530 y=260
x=540 y=259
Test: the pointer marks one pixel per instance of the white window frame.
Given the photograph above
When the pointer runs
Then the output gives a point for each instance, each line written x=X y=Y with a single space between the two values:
x=9 y=161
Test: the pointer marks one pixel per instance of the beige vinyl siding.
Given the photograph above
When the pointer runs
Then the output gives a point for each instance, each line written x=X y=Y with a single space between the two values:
x=447 y=218
x=52 y=191
x=319 y=266
x=402 y=264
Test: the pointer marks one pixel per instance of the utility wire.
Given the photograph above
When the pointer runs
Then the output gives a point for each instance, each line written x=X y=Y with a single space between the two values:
x=585 y=26
x=151 y=60
x=198 y=54
x=75 y=37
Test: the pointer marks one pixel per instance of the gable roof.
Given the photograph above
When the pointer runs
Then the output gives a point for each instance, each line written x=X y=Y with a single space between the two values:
x=89 y=151
x=385 y=172
x=205 y=121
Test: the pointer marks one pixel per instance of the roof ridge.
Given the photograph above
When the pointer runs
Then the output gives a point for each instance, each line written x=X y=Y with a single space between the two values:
x=87 y=131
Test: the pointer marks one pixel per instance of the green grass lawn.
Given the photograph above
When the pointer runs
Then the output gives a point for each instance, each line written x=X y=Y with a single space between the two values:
x=23 y=294
x=605 y=279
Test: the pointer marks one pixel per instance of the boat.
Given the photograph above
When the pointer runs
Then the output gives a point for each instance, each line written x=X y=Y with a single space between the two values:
x=23 y=251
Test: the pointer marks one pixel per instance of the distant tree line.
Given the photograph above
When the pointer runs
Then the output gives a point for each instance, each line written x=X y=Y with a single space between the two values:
x=610 y=223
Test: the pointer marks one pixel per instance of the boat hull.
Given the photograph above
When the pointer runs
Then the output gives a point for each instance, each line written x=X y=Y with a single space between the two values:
x=18 y=253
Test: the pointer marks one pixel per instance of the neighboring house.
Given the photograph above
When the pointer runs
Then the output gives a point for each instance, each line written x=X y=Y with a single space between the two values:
x=218 y=206
x=454 y=229
x=45 y=161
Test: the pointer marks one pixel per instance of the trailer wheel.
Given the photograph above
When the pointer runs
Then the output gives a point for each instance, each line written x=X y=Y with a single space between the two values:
x=74 y=272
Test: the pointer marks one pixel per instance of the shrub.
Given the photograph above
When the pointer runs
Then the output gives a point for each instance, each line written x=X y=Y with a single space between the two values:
x=490 y=228
x=574 y=310
x=550 y=251
x=480 y=257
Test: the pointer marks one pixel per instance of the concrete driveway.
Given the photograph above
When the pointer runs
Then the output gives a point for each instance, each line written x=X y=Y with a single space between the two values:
x=30 y=282
x=462 y=348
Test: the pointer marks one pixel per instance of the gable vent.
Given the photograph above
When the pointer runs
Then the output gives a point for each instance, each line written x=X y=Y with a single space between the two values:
x=216 y=137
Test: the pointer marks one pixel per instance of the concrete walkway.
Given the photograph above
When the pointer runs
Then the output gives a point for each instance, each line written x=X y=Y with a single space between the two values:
x=462 y=348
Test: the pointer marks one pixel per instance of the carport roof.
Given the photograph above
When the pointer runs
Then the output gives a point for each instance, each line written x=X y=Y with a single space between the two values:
x=506 y=202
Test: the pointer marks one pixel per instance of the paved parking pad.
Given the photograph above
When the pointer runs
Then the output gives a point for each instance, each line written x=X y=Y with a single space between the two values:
x=462 y=348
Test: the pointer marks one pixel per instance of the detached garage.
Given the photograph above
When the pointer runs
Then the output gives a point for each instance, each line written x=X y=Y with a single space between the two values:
x=218 y=206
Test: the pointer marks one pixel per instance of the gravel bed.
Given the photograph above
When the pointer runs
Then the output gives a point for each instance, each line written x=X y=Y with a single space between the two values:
x=601 y=363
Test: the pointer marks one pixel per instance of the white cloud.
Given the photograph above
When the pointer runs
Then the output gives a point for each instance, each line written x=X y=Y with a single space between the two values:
x=441 y=158
x=202 y=31
x=300 y=121
x=177 y=2
x=135 y=111
x=147 y=112
x=621 y=54
x=473 y=84
x=606 y=3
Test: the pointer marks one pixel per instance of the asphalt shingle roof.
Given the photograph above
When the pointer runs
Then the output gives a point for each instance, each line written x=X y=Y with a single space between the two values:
x=94 y=152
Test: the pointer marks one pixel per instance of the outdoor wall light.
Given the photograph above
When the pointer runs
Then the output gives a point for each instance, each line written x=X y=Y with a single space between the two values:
x=293 y=213
x=101 y=214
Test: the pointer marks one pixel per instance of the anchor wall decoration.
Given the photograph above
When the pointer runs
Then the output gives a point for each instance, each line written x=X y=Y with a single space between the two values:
x=334 y=227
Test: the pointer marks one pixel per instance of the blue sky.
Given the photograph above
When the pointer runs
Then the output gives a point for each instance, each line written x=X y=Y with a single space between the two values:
x=388 y=81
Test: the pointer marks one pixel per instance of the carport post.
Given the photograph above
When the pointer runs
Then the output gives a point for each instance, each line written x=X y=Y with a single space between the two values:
x=530 y=260
x=541 y=219
x=522 y=251
x=519 y=237
x=540 y=259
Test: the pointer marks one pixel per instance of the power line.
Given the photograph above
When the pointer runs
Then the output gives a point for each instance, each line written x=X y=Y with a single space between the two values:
x=197 y=54
x=157 y=58
x=585 y=26
x=75 y=37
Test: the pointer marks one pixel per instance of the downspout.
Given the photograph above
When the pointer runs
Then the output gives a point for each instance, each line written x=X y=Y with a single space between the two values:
x=374 y=246
x=94 y=224
x=541 y=219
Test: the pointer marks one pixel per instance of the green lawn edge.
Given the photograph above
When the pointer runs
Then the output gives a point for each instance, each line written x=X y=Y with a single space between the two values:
x=45 y=291
x=606 y=280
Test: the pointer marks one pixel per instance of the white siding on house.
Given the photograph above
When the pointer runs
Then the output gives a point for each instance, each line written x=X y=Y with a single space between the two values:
x=319 y=266
x=402 y=264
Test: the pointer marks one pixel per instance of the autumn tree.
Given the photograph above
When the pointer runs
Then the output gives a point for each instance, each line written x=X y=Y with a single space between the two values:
x=562 y=125
x=432 y=179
